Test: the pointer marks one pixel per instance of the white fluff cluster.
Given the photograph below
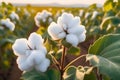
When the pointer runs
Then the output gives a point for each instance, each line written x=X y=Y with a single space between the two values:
x=68 y=27
x=42 y=16
x=87 y=15
x=14 y=16
x=7 y=23
x=31 y=53
x=81 y=12
x=95 y=13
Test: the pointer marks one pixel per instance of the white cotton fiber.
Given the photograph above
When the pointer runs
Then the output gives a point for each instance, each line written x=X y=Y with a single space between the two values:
x=72 y=39
x=20 y=46
x=35 y=41
x=43 y=66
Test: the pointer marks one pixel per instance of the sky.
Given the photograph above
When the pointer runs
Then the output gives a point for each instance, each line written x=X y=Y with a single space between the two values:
x=55 y=1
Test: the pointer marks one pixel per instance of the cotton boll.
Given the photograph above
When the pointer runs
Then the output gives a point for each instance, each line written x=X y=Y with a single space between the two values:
x=77 y=29
x=22 y=64
x=95 y=13
x=14 y=16
x=35 y=40
x=8 y=24
x=20 y=46
x=81 y=12
x=82 y=37
x=72 y=39
x=54 y=29
x=87 y=15
x=43 y=66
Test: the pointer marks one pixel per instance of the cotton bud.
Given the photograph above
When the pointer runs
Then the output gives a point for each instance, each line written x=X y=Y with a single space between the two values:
x=7 y=23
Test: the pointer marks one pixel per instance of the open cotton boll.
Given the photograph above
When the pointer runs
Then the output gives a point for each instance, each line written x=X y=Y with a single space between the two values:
x=20 y=46
x=7 y=23
x=81 y=12
x=54 y=30
x=95 y=13
x=72 y=39
x=87 y=15
x=43 y=66
x=14 y=16
x=35 y=41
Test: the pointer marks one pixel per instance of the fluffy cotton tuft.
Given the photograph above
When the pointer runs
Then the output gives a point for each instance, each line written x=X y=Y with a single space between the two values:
x=68 y=27
x=95 y=13
x=42 y=16
x=31 y=53
x=7 y=23
x=14 y=16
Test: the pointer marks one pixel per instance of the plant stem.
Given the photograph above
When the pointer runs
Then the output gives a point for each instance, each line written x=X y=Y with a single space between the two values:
x=57 y=64
x=62 y=62
x=74 y=61
x=98 y=75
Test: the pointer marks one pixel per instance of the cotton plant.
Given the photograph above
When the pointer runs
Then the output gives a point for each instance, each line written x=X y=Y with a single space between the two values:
x=7 y=23
x=31 y=53
x=41 y=18
x=67 y=27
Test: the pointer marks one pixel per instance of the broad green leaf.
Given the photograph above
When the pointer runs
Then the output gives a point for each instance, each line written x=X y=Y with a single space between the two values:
x=108 y=5
x=112 y=20
x=105 y=55
x=74 y=51
x=66 y=44
x=53 y=74
x=34 y=75
x=91 y=76
x=76 y=73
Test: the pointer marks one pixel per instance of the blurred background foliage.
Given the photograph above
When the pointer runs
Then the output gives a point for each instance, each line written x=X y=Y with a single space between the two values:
x=97 y=20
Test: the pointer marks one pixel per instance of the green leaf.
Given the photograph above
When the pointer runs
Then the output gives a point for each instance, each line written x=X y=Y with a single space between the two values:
x=112 y=19
x=108 y=5
x=74 y=51
x=34 y=75
x=53 y=74
x=66 y=44
x=105 y=55
x=76 y=73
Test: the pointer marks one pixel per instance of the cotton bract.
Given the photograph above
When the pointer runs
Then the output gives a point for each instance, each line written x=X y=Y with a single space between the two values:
x=42 y=16
x=67 y=27
x=31 y=53
x=7 y=23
